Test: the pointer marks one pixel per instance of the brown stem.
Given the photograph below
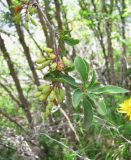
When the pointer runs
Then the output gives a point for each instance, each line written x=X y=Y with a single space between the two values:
x=54 y=34
x=10 y=94
x=3 y=113
x=121 y=10
x=100 y=37
x=57 y=14
x=35 y=42
x=44 y=26
x=13 y=73
x=108 y=28
x=24 y=45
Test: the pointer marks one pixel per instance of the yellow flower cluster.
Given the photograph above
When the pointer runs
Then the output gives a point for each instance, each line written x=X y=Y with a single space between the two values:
x=125 y=107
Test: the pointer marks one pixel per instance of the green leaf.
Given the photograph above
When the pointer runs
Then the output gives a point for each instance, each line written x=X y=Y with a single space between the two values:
x=81 y=67
x=56 y=76
x=69 y=40
x=110 y=89
x=26 y=25
x=88 y=112
x=101 y=107
x=93 y=97
x=93 y=80
x=49 y=76
x=66 y=79
x=76 y=97
x=93 y=88
x=99 y=102
x=69 y=68
x=87 y=65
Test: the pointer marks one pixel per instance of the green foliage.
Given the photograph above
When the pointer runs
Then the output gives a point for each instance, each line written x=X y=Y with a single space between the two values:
x=76 y=97
x=103 y=133
x=88 y=93
x=88 y=111
x=109 y=89
x=82 y=68
x=70 y=41
x=66 y=79
x=93 y=80
x=101 y=107
x=85 y=91
x=64 y=37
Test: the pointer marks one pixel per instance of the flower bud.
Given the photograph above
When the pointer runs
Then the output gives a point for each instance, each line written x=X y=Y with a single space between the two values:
x=43 y=65
x=66 y=61
x=26 y=25
x=61 y=96
x=47 y=63
x=52 y=56
x=48 y=108
x=40 y=60
x=43 y=97
x=41 y=87
x=62 y=93
x=37 y=94
x=48 y=50
x=50 y=105
x=40 y=67
x=46 y=89
x=52 y=96
x=53 y=66
x=46 y=113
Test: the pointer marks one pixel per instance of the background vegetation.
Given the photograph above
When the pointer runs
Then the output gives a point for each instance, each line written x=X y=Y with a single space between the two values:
x=97 y=30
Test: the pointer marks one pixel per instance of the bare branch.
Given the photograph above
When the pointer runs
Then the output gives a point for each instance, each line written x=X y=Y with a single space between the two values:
x=10 y=93
x=3 y=113
x=70 y=124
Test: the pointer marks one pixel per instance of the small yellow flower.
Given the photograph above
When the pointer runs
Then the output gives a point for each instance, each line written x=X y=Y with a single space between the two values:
x=125 y=107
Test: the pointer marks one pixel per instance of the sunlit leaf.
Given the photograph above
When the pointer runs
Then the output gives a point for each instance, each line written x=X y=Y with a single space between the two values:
x=76 y=97
x=109 y=89
x=81 y=67
x=93 y=80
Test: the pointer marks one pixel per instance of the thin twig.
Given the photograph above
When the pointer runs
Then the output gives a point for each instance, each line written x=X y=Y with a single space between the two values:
x=70 y=124
x=3 y=113
x=10 y=94
x=113 y=127
x=54 y=34
x=35 y=41
x=61 y=143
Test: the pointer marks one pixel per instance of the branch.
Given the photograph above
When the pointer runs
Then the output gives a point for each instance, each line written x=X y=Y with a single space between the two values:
x=3 y=113
x=10 y=94
x=34 y=41
x=70 y=124
x=54 y=34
